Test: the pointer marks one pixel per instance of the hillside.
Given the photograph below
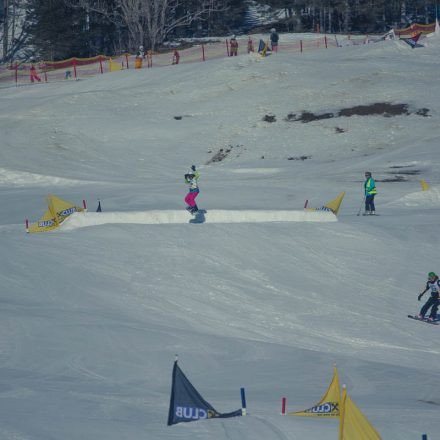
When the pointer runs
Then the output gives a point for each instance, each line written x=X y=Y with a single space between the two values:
x=92 y=316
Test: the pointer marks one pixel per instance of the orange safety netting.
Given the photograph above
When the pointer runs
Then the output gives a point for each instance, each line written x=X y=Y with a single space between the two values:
x=415 y=29
x=77 y=68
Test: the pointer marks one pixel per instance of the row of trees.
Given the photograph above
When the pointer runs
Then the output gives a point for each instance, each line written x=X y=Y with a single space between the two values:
x=58 y=29
x=354 y=15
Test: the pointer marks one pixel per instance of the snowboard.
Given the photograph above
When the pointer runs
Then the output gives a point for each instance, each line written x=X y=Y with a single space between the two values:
x=198 y=216
x=370 y=215
x=423 y=320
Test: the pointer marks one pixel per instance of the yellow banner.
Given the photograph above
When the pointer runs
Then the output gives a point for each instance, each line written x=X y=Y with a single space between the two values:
x=58 y=211
x=329 y=405
x=353 y=424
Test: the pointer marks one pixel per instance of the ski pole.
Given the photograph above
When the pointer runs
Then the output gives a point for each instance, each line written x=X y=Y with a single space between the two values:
x=360 y=208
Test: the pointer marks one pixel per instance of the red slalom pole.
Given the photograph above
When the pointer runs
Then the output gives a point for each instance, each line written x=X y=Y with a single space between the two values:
x=74 y=66
x=283 y=406
x=301 y=44
x=84 y=205
x=305 y=204
x=100 y=65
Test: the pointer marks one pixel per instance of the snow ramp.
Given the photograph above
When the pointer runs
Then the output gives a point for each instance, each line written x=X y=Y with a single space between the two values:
x=81 y=220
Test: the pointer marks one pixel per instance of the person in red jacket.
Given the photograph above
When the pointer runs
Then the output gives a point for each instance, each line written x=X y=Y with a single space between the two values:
x=33 y=75
x=233 y=44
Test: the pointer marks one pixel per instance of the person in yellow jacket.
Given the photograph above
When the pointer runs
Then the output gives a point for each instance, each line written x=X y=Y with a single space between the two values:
x=370 y=192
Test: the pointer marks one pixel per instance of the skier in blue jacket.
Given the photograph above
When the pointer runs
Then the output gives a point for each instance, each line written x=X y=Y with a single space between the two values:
x=370 y=192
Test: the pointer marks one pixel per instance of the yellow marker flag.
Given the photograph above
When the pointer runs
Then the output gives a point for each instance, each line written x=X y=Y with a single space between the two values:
x=425 y=185
x=58 y=211
x=353 y=424
x=329 y=405
x=46 y=223
x=335 y=204
x=114 y=66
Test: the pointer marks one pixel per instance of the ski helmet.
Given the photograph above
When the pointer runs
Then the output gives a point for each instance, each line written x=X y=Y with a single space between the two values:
x=368 y=173
x=272 y=30
x=193 y=167
x=431 y=275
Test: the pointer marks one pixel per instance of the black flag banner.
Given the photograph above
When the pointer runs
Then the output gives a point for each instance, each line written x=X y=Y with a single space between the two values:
x=187 y=405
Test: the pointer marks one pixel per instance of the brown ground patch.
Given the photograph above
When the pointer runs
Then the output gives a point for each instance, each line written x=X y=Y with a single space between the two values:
x=385 y=109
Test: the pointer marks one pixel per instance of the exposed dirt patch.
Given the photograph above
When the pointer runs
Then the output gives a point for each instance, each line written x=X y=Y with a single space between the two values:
x=385 y=109
x=407 y=172
x=299 y=157
x=223 y=153
x=269 y=118
x=339 y=130
x=396 y=178
x=379 y=108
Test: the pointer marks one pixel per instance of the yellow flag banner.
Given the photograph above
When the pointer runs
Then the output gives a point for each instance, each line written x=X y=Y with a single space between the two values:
x=329 y=405
x=58 y=211
x=114 y=66
x=425 y=185
x=353 y=424
x=332 y=206
x=335 y=204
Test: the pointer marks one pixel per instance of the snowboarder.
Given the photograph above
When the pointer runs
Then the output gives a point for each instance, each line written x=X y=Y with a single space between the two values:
x=274 y=37
x=433 y=284
x=370 y=192
x=233 y=43
x=191 y=180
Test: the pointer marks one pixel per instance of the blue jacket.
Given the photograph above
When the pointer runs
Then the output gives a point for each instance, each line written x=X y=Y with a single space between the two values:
x=370 y=187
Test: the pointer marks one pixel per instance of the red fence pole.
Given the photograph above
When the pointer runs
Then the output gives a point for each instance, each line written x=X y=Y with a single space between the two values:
x=100 y=64
x=126 y=59
x=45 y=73
x=301 y=44
x=283 y=406
x=227 y=47
x=325 y=40
x=74 y=66
x=203 y=52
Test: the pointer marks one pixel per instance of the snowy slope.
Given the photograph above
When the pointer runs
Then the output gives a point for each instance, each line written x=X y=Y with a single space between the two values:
x=93 y=314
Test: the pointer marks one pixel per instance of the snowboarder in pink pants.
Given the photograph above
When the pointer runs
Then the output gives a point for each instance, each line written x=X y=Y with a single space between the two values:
x=191 y=180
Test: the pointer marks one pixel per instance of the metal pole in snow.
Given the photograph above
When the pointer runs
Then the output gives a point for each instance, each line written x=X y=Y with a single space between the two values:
x=243 y=402
x=305 y=204
x=27 y=226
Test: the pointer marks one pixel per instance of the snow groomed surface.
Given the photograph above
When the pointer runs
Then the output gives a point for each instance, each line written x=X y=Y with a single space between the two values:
x=81 y=220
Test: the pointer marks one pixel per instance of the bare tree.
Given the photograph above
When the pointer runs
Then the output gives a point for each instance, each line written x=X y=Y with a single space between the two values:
x=150 y=21
x=13 y=32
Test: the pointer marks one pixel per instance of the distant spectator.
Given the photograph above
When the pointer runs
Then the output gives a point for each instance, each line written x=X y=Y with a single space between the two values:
x=141 y=52
x=33 y=72
x=140 y=56
x=233 y=44
x=250 y=45
x=176 y=57
x=149 y=58
x=274 y=37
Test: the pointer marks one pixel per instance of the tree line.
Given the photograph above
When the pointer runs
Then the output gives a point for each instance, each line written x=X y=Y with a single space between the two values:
x=59 y=29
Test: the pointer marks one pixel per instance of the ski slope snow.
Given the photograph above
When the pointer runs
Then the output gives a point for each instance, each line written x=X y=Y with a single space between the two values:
x=93 y=313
